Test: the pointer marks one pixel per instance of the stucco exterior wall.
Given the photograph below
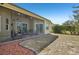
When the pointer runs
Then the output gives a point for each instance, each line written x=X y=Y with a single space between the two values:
x=21 y=19
x=5 y=13
x=13 y=18
x=48 y=27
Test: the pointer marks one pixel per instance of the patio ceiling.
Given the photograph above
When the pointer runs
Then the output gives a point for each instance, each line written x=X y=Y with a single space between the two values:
x=21 y=10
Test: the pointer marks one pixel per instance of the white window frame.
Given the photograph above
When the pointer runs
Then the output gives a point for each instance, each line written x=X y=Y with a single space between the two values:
x=7 y=24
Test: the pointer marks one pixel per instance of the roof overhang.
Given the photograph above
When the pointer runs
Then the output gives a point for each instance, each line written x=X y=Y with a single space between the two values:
x=21 y=10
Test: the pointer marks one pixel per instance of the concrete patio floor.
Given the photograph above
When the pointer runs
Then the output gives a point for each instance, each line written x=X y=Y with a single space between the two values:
x=26 y=46
x=38 y=43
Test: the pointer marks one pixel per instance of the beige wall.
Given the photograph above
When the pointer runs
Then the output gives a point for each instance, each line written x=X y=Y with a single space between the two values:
x=12 y=17
x=49 y=25
x=4 y=13
x=21 y=19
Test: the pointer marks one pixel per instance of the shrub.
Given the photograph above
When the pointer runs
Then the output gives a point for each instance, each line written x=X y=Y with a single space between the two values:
x=57 y=29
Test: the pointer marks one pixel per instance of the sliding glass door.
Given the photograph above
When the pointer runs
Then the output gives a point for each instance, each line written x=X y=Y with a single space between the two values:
x=39 y=28
x=21 y=28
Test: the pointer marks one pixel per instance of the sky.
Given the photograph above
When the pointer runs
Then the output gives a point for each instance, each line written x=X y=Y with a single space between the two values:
x=58 y=13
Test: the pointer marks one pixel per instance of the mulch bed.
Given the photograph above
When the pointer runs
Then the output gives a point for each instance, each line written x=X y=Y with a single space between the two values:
x=13 y=48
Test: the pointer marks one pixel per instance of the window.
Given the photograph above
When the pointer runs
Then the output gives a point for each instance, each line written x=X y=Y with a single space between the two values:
x=6 y=27
x=7 y=22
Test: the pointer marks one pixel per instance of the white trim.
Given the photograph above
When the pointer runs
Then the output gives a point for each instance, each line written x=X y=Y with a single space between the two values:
x=0 y=23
